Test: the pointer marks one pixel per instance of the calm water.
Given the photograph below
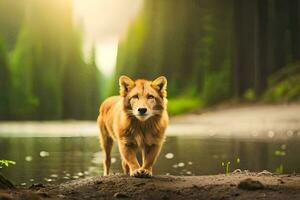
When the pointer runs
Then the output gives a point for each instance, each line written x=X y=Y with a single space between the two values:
x=61 y=159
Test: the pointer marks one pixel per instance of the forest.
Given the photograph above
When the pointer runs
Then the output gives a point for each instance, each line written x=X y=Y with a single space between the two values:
x=211 y=52
x=43 y=74
x=215 y=51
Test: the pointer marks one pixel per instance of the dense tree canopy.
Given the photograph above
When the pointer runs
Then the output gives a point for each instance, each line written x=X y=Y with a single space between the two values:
x=212 y=50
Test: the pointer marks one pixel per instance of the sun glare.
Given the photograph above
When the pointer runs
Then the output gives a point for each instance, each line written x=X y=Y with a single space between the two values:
x=107 y=55
x=104 y=22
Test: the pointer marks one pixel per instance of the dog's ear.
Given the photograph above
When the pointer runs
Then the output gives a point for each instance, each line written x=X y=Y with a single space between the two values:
x=160 y=84
x=126 y=84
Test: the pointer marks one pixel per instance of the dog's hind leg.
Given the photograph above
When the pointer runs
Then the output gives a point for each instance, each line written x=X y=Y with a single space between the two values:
x=106 y=144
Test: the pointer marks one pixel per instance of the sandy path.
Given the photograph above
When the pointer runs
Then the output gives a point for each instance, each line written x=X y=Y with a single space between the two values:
x=264 y=121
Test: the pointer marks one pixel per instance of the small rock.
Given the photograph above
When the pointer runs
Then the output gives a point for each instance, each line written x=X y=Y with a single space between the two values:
x=169 y=155
x=120 y=195
x=237 y=171
x=181 y=164
x=197 y=187
x=36 y=186
x=61 y=196
x=178 y=192
x=98 y=182
x=236 y=194
x=250 y=184
x=43 y=194
x=265 y=173
x=139 y=184
x=280 y=181
x=44 y=153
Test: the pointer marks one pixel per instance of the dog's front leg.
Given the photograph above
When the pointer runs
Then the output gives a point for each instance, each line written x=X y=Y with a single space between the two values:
x=128 y=152
x=150 y=153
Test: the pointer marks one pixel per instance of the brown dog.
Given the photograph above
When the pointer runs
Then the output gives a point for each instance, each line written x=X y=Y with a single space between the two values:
x=137 y=120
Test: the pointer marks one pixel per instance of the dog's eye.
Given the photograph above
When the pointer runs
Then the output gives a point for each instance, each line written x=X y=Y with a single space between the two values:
x=135 y=97
x=150 y=96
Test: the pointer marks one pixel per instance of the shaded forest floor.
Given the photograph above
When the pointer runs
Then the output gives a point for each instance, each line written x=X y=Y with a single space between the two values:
x=240 y=185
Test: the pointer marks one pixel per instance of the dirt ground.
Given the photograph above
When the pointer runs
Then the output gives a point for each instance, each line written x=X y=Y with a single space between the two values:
x=274 y=121
x=240 y=185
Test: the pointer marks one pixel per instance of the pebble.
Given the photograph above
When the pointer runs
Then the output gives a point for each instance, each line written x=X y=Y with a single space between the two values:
x=44 y=153
x=120 y=195
x=61 y=196
x=43 y=194
x=36 y=186
x=28 y=158
x=281 y=181
x=181 y=164
x=265 y=173
x=237 y=171
x=98 y=182
x=139 y=184
x=169 y=155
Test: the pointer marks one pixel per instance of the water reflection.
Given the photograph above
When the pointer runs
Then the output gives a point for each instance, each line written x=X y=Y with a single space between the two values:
x=61 y=159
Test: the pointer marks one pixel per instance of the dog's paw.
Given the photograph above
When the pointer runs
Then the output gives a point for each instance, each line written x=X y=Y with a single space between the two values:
x=141 y=173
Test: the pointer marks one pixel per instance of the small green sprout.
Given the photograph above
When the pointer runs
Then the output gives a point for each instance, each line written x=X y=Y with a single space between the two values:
x=279 y=169
x=227 y=167
x=238 y=160
x=281 y=152
x=6 y=163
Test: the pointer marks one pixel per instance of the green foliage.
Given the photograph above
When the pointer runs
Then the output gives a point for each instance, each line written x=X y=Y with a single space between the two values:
x=284 y=85
x=215 y=88
x=182 y=104
x=4 y=82
x=6 y=163
x=250 y=95
x=183 y=49
x=285 y=90
x=207 y=50
x=211 y=46
x=49 y=77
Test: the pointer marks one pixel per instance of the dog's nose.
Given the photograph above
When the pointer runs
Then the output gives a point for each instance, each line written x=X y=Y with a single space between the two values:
x=142 y=110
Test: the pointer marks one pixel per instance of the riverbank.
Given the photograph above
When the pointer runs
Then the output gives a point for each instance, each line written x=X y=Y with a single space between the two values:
x=245 y=121
x=239 y=185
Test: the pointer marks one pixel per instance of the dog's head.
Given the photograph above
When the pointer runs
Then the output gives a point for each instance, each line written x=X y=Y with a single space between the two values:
x=143 y=99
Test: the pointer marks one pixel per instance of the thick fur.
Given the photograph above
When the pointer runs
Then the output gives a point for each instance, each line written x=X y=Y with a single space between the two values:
x=119 y=120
